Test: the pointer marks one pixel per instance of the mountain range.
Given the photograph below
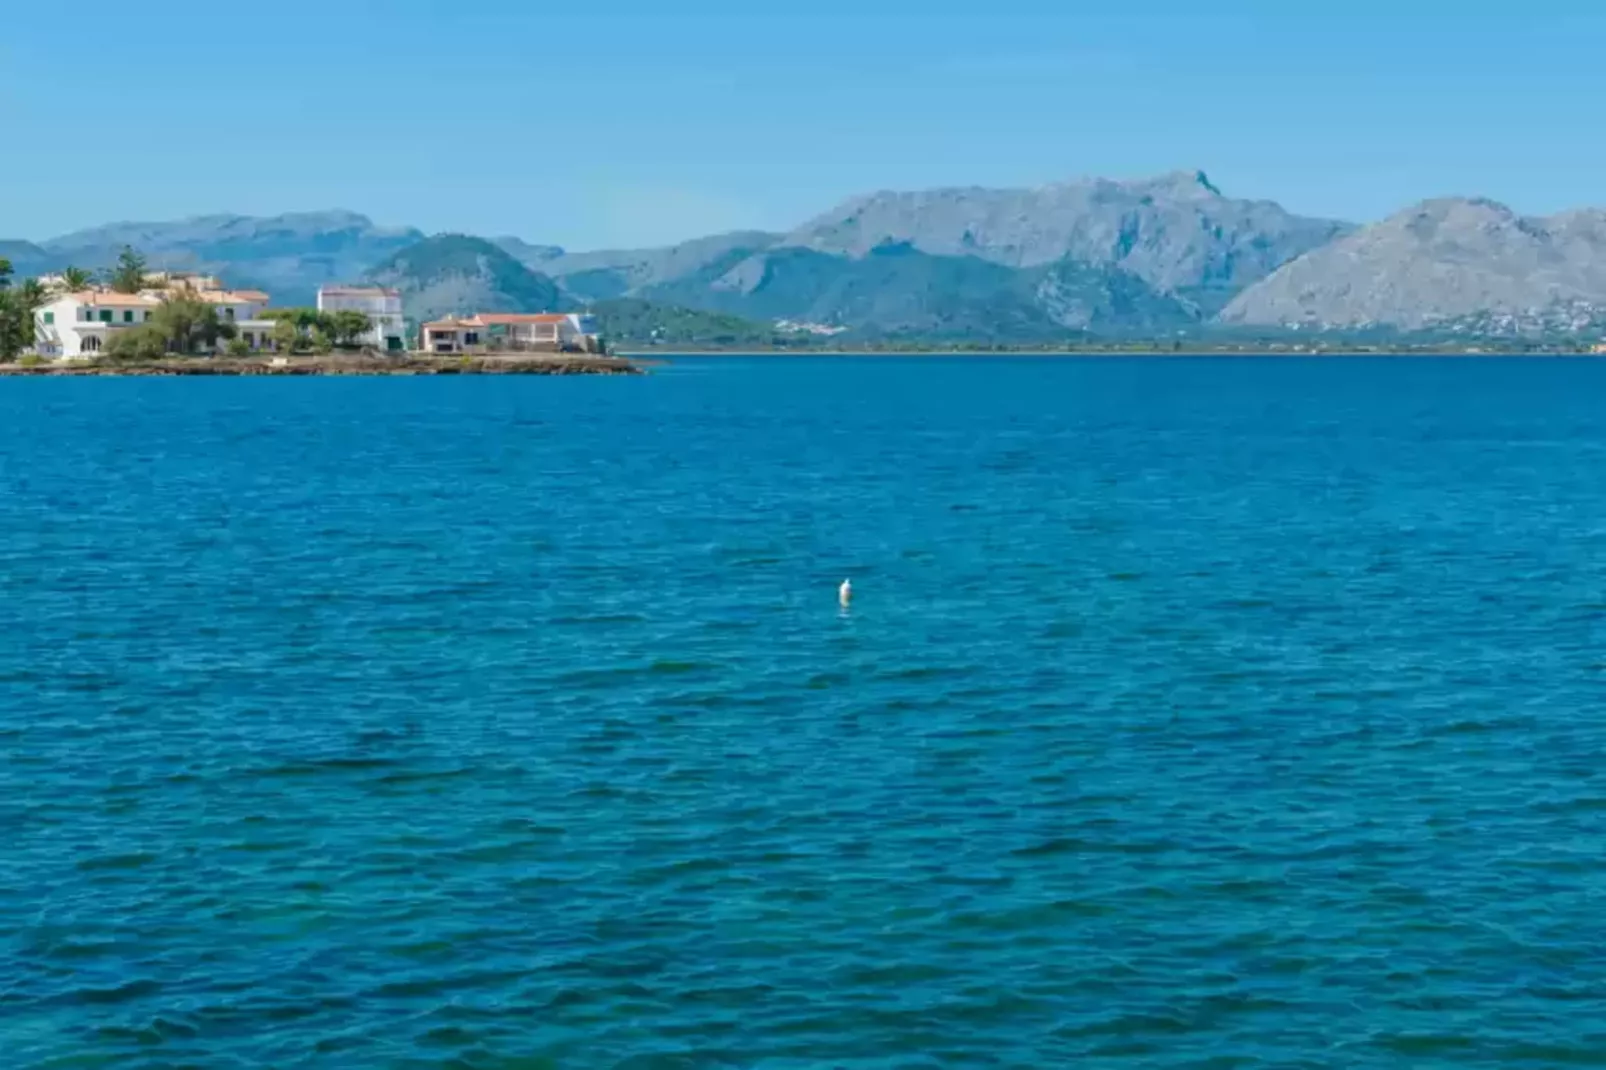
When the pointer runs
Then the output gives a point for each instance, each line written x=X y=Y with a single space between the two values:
x=1165 y=255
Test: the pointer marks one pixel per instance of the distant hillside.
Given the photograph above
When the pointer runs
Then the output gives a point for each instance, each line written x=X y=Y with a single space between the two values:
x=27 y=259
x=1442 y=261
x=1148 y=257
x=1026 y=264
x=897 y=290
x=290 y=256
x=535 y=256
x=1178 y=233
x=630 y=320
x=454 y=273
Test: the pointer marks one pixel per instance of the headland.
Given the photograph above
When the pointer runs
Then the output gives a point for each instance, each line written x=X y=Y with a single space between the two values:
x=335 y=364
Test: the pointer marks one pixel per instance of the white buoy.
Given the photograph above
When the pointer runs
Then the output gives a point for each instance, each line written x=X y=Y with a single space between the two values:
x=844 y=593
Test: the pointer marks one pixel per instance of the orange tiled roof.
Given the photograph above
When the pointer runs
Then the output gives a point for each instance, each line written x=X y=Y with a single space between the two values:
x=108 y=299
x=233 y=297
x=508 y=318
x=496 y=319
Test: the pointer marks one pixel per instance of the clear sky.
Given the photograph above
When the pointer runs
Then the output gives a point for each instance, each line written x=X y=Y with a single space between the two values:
x=619 y=122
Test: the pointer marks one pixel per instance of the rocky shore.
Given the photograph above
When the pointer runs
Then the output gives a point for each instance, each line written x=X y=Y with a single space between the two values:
x=420 y=364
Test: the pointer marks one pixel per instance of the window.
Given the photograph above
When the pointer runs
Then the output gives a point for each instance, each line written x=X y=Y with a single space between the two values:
x=50 y=318
x=105 y=315
x=147 y=316
x=472 y=338
x=128 y=317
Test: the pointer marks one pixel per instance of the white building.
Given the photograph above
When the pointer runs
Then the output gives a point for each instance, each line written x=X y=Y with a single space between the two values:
x=382 y=307
x=82 y=324
x=497 y=332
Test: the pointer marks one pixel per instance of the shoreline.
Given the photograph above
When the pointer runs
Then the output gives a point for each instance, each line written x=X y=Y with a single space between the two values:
x=338 y=364
x=649 y=355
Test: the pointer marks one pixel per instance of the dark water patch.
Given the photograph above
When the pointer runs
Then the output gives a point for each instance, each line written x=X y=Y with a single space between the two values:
x=322 y=766
x=669 y=667
x=600 y=620
x=1072 y=845
x=114 y=862
x=126 y=992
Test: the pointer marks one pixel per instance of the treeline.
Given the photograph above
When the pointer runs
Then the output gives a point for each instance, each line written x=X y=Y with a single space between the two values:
x=185 y=326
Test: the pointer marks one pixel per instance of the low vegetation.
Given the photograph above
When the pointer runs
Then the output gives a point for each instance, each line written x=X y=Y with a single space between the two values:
x=180 y=325
x=632 y=321
x=302 y=330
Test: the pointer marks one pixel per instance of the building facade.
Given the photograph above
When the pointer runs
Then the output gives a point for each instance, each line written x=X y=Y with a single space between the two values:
x=383 y=308
x=501 y=332
x=82 y=324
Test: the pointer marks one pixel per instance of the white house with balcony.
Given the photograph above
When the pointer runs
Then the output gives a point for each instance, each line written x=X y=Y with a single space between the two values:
x=82 y=324
x=382 y=306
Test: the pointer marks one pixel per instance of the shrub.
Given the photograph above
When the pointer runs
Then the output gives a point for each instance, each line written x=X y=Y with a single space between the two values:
x=145 y=342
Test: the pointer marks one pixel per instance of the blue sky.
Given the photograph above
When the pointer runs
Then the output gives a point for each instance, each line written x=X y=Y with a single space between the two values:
x=643 y=121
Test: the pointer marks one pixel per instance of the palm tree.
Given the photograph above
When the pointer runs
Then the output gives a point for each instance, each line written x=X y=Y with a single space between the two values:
x=32 y=294
x=74 y=279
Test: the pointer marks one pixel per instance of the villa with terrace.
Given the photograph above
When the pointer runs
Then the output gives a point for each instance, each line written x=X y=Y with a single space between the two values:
x=82 y=324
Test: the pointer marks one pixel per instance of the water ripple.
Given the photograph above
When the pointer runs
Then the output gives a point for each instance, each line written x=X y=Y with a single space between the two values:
x=1190 y=714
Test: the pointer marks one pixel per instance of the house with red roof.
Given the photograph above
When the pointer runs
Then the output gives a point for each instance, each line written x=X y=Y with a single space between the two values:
x=507 y=332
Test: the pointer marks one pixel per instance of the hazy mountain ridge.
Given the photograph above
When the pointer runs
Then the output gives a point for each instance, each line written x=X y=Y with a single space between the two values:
x=612 y=273
x=289 y=255
x=1158 y=255
x=898 y=290
x=26 y=258
x=1178 y=232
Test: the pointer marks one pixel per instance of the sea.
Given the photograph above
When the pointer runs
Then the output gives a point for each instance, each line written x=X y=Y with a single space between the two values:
x=1206 y=713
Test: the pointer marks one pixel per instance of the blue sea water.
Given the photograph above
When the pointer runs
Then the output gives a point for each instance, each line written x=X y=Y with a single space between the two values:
x=1190 y=713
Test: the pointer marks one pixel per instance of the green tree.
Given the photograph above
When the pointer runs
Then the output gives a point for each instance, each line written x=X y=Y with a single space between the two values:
x=237 y=347
x=74 y=279
x=304 y=318
x=286 y=335
x=11 y=328
x=128 y=277
x=321 y=341
x=19 y=308
x=189 y=326
x=346 y=326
